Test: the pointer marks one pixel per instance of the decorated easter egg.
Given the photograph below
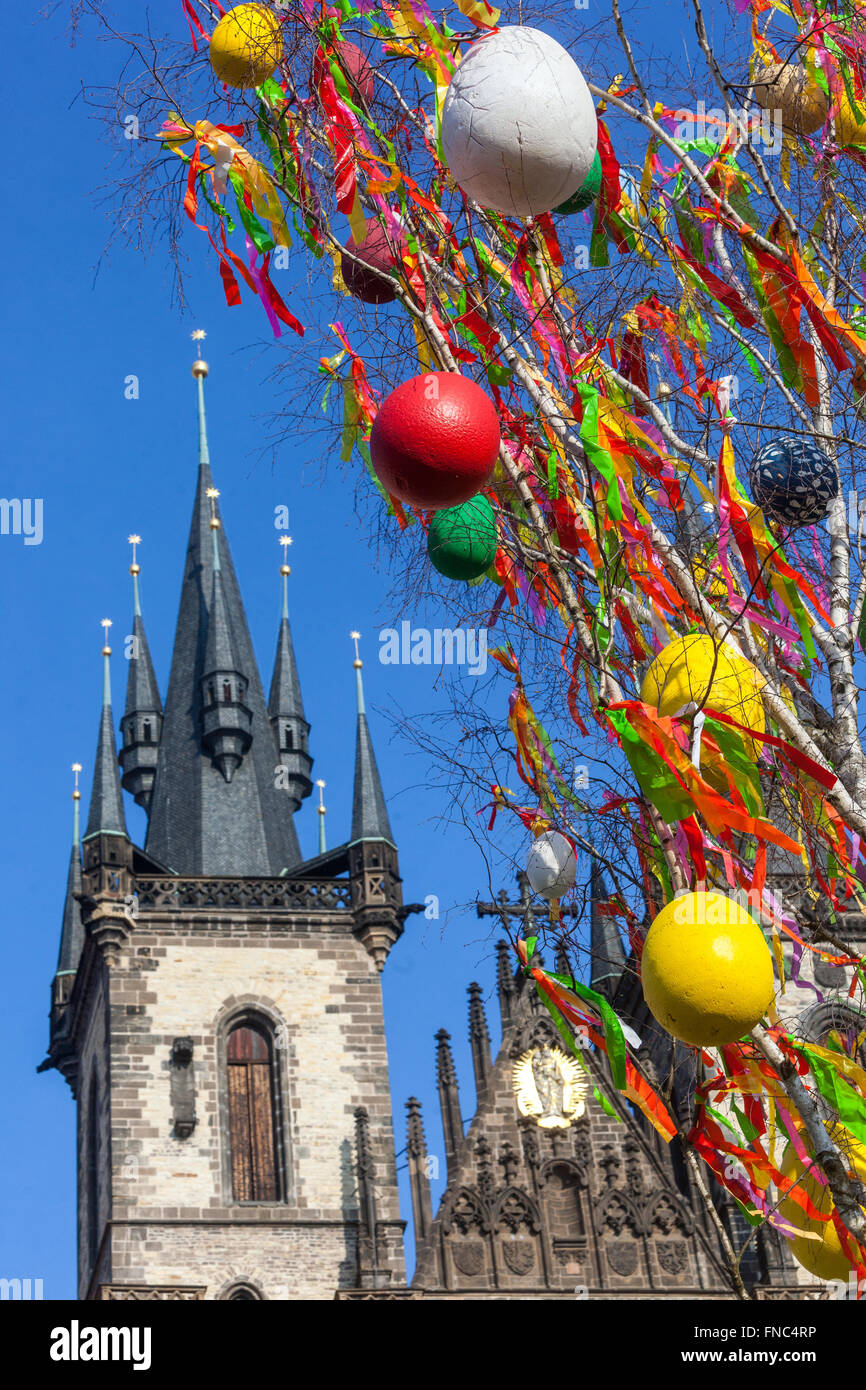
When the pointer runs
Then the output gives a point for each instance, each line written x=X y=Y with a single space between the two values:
x=378 y=249
x=588 y=191
x=793 y=481
x=551 y=865
x=435 y=440
x=706 y=970
x=519 y=129
x=246 y=46
x=462 y=540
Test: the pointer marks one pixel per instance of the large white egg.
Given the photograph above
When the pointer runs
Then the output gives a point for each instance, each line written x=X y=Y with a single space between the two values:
x=519 y=129
x=551 y=865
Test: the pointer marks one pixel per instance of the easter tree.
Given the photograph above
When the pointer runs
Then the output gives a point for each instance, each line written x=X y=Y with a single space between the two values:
x=598 y=358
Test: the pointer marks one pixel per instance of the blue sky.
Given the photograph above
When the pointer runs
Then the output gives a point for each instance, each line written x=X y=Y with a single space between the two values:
x=105 y=466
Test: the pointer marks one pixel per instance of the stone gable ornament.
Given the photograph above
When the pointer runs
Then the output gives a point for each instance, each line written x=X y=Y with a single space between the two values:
x=519 y=129
x=793 y=481
x=549 y=1087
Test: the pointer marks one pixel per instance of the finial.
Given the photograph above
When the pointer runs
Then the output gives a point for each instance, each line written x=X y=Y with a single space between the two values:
x=321 y=811
x=135 y=571
x=134 y=568
x=213 y=493
x=285 y=569
x=358 y=663
x=106 y=665
x=199 y=367
x=76 y=809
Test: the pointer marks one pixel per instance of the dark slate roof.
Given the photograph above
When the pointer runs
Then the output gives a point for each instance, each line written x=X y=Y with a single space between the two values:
x=142 y=691
x=285 y=697
x=221 y=652
x=607 y=956
x=72 y=933
x=105 y=815
x=369 y=812
x=199 y=823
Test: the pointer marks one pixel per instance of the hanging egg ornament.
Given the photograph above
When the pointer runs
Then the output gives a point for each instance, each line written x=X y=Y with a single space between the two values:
x=378 y=249
x=356 y=69
x=848 y=127
x=588 y=191
x=551 y=865
x=519 y=129
x=706 y=970
x=462 y=540
x=824 y=1257
x=788 y=89
x=695 y=670
x=435 y=440
x=793 y=481
x=246 y=46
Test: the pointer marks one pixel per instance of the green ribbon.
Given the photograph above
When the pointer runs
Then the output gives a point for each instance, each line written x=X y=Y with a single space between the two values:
x=850 y=1107
x=656 y=782
x=262 y=240
x=597 y=455
x=614 y=1038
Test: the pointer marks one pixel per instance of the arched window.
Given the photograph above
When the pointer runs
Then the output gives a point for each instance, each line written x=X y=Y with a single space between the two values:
x=243 y=1291
x=255 y=1175
x=227 y=692
x=290 y=738
x=92 y=1168
x=147 y=731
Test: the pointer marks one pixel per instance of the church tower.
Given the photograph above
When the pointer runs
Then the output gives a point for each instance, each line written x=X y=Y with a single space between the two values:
x=217 y=1008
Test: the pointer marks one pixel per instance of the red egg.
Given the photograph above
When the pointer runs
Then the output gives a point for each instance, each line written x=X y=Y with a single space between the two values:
x=356 y=68
x=377 y=248
x=435 y=440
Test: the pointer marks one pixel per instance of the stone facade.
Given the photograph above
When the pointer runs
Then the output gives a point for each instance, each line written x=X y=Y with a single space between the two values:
x=590 y=1209
x=166 y=1211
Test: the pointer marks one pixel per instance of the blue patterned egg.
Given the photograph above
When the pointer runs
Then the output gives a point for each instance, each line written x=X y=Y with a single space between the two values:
x=793 y=481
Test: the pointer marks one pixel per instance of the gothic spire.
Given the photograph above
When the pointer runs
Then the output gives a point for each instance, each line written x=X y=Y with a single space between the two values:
x=449 y=1100
x=141 y=724
x=369 y=812
x=200 y=823
x=285 y=706
x=479 y=1040
x=105 y=815
x=607 y=956
x=419 y=1176
x=226 y=717
x=72 y=932
x=505 y=986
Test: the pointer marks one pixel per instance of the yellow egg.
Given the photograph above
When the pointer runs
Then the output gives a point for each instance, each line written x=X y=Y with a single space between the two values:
x=706 y=970
x=848 y=130
x=246 y=46
x=788 y=89
x=695 y=670
x=824 y=1258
